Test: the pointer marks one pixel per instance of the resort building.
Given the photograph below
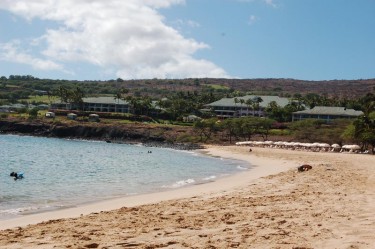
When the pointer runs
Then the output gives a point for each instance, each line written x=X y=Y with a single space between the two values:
x=98 y=104
x=326 y=113
x=240 y=106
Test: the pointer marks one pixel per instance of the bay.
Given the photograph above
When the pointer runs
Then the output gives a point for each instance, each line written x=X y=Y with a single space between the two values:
x=61 y=173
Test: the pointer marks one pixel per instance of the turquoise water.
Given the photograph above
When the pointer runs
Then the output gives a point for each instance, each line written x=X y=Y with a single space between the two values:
x=61 y=173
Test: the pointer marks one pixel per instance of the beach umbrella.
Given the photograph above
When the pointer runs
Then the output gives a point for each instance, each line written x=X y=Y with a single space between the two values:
x=305 y=144
x=351 y=147
x=297 y=144
x=324 y=145
x=268 y=142
x=355 y=147
x=288 y=144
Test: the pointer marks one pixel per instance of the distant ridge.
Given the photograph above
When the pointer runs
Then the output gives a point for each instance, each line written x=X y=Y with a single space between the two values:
x=349 y=89
x=339 y=88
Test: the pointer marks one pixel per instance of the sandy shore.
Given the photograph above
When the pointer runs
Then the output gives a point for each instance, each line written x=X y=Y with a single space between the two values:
x=269 y=206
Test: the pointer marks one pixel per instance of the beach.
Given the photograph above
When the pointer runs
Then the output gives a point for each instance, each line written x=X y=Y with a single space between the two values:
x=272 y=205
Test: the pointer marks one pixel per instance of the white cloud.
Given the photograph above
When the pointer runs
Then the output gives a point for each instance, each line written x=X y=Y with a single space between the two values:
x=11 y=52
x=127 y=36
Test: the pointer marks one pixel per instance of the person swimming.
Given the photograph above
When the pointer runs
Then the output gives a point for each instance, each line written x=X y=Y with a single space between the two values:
x=16 y=175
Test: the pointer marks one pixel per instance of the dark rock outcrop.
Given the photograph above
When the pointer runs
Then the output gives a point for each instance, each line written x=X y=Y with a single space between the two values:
x=155 y=136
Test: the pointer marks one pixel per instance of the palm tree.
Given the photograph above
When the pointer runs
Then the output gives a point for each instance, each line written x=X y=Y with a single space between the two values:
x=236 y=101
x=120 y=95
x=242 y=102
x=249 y=102
x=146 y=105
x=256 y=104
x=368 y=103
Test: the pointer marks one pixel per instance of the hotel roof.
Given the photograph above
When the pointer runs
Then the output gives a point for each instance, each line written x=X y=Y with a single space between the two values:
x=105 y=100
x=229 y=102
x=330 y=110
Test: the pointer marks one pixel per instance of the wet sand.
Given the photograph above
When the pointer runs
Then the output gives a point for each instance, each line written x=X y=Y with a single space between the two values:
x=270 y=206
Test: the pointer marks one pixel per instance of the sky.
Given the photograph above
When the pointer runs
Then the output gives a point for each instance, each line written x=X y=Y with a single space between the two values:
x=176 y=39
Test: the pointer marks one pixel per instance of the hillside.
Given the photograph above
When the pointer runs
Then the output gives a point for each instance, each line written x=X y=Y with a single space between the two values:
x=340 y=88
x=350 y=89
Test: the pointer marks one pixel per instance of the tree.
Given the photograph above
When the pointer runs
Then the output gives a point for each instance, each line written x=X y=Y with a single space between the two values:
x=264 y=127
x=62 y=93
x=297 y=101
x=139 y=105
x=236 y=101
x=249 y=103
x=205 y=128
x=256 y=102
x=133 y=103
x=146 y=105
x=33 y=113
x=306 y=130
x=120 y=95
x=275 y=111
x=364 y=131
x=76 y=97
x=228 y=125
x=291 y=107
x=249 y=128
x=368 y=103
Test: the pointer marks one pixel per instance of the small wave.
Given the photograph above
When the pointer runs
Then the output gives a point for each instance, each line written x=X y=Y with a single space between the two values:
x=210 y=178
x=191 y=152
x=179 y=184
x=242 y=167
x=15 y=211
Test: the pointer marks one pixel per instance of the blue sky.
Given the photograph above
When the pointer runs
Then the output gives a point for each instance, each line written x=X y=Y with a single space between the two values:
x=140 y=39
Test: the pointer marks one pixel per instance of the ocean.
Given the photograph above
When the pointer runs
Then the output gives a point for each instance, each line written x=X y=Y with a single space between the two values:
x=62 y=173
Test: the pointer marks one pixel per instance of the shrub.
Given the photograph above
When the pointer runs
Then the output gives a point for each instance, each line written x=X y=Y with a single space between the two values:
x=186 y=138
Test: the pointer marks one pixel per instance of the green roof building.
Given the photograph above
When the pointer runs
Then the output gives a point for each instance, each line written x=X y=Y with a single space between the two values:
x=238 y=107
x=97 y=104
x=327 y=113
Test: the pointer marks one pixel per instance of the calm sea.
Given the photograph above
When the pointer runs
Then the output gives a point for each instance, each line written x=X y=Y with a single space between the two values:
x=60 y=173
